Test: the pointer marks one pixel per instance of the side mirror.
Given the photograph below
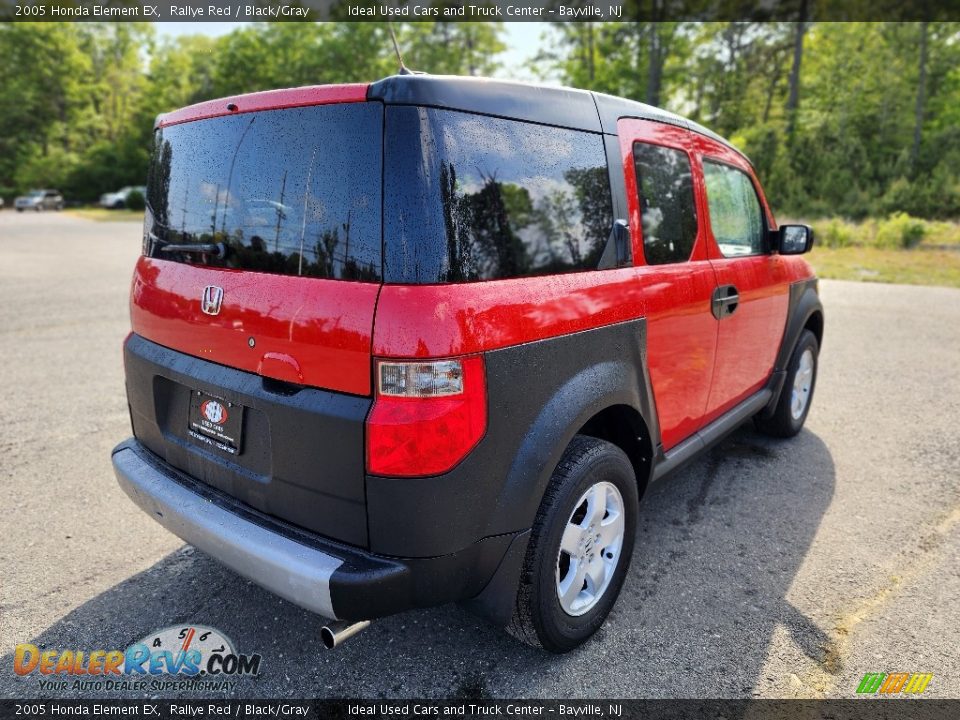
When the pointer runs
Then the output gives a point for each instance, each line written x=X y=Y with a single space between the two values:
x=793 y=239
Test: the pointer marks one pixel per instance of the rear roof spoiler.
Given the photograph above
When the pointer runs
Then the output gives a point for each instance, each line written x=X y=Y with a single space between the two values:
x=267 y=100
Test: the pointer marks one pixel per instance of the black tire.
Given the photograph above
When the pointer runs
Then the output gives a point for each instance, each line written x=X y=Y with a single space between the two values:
x=539 y=619
x=782 y=423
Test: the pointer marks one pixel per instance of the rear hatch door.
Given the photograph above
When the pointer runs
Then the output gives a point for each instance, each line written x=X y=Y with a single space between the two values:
x=262 y=256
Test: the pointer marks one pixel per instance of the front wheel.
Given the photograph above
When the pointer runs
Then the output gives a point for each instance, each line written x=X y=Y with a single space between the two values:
x=579 y=548
x=797 y=393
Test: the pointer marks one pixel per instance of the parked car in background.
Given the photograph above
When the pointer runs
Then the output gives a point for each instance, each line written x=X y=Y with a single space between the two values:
x=1 y=203
x=39 y=200
x=118 y=200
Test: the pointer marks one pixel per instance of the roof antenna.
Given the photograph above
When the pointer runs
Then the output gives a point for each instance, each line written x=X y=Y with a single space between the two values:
x=404 y=70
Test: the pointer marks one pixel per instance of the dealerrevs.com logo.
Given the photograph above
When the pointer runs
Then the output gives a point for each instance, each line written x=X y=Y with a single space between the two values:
x=190 y=657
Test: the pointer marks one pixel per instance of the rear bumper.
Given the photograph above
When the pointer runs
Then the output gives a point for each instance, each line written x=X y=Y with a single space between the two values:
x=292 y=570
x=329 y=578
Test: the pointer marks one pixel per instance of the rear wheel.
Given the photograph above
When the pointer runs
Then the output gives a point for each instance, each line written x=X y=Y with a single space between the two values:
x=797 y=393
x=579 y=548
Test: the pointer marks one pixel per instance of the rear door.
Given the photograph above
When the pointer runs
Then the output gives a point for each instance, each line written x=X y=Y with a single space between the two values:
x=752 y=283
x=670 y=251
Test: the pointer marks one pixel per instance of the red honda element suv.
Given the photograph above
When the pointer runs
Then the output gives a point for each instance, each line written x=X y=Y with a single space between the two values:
x=430 y=339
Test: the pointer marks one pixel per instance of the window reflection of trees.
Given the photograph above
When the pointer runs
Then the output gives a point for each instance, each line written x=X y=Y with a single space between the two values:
x=499 y=230
x=287 y=229
x=668 y=212
x=735 y=215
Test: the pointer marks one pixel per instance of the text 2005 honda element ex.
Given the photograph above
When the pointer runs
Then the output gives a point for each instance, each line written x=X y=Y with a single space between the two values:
x=430 y=339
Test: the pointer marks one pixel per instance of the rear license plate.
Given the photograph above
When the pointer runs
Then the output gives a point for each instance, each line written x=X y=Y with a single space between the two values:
x=216 y=422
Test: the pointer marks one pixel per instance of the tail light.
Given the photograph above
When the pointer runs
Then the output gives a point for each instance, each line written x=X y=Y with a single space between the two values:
x=426 y=416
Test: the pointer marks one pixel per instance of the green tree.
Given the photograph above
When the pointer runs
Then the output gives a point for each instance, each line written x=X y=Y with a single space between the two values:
x=449 y=48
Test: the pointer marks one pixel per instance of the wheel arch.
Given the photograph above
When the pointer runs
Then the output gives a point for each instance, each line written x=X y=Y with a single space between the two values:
x=814 y=324
x=804 y=312
x=591 y=402
x=624 y=426
x=610 y=401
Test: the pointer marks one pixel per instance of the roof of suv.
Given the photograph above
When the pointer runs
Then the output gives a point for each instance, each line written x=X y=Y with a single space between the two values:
x=544 y=104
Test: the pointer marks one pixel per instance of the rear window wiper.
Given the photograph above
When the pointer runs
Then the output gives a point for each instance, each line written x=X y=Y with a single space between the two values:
x=218 y=249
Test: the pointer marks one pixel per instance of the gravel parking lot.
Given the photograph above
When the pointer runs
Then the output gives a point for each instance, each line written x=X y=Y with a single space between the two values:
x=764 y=569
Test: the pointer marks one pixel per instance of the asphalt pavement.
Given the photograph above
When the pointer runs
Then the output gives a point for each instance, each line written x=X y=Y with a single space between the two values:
x=764 y=569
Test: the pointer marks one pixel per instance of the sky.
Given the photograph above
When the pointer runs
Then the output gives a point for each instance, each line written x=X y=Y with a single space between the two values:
x=522 y=39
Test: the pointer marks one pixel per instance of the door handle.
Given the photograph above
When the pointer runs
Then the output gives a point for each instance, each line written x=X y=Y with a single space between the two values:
x=725 y=301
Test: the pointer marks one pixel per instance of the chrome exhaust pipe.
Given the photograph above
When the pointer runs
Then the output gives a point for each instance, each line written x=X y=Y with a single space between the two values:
x=337 y=633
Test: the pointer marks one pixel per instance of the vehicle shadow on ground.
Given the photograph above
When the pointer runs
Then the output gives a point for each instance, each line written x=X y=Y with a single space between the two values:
x=719 y=543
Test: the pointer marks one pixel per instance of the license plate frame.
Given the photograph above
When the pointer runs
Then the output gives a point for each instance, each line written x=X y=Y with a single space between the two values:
x=215 y=421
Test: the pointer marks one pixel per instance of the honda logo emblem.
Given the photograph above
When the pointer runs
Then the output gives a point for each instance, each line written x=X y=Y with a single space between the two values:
x=211 y=299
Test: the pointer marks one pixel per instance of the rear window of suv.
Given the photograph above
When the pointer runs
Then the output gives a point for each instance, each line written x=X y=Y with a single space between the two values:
x=293 y=192
x=471 y=197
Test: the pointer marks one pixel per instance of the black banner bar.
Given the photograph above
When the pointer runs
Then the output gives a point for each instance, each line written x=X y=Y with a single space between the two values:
x=861 y=709
x=471 y=11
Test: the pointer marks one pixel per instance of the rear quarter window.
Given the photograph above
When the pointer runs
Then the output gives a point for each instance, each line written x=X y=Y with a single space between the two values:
x=469 y=197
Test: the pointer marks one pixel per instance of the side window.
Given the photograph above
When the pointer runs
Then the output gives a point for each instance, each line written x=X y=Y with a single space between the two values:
x=470 y=197
x=735 y=214
x=667 y=208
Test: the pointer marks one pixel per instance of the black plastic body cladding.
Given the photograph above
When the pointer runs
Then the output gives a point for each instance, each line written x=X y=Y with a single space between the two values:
x=803 y=303
x=283 y=469
x=539 y=395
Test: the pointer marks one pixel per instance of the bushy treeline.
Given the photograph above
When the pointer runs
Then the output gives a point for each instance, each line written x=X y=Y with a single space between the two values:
x=78 y=101
x=851 y=119
x=898 y=231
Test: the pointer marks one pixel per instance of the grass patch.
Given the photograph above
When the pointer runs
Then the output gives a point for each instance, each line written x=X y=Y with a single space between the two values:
x=895 y=249
x=100 y=214
x=919 y=266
